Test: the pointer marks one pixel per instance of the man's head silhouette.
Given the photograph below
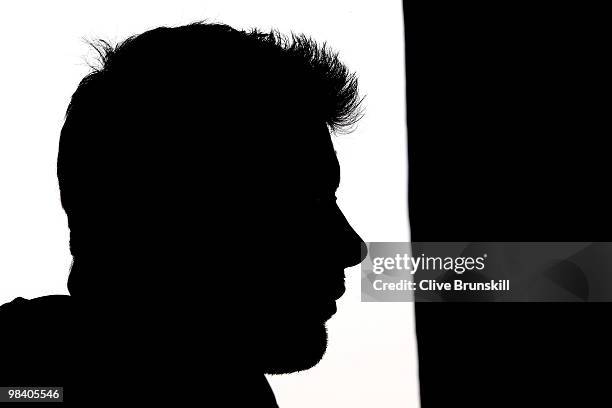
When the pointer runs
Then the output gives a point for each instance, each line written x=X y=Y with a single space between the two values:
x=198 y=174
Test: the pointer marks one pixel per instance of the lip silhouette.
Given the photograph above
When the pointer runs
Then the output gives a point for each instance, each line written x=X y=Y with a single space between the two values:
x=330 y=311
x=335 y=293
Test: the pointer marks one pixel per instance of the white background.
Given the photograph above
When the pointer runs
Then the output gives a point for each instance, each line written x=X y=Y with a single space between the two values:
x=371 y=360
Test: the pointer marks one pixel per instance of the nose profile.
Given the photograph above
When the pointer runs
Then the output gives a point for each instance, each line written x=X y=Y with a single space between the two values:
x=363 y=251
x=353 y=247
x=355 y=250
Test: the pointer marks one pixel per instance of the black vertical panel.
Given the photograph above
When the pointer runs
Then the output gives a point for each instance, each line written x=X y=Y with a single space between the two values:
x=508 y=130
